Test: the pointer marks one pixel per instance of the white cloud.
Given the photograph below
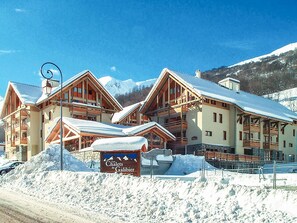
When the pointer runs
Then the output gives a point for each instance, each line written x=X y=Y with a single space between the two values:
x=18 y=10
x=237 y=44
x=113 y=68
x=2 y=52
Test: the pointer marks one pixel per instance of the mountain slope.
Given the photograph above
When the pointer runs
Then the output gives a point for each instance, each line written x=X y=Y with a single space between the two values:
x=118 y=87
x=265 y=74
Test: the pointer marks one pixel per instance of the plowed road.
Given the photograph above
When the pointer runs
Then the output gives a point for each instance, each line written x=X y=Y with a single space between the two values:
x=16 y=207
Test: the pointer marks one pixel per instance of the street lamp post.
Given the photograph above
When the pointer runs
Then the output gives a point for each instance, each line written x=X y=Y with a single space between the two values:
x=51 y=74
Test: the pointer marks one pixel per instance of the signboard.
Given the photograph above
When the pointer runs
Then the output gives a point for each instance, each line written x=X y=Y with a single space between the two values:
x=124 y=162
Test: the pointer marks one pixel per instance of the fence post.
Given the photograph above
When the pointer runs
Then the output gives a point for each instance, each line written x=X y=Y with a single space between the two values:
x=151 y=164
x=274 y=175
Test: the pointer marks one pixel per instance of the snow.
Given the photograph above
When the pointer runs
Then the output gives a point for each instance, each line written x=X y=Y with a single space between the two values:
x=287 y=98
x=186 y=164
x=110 y=129
x=119 y=87
x=233 y=198
x=132 y=143
x=1 y=103
x=277 y=52
x=119 y=116
x=28 y=94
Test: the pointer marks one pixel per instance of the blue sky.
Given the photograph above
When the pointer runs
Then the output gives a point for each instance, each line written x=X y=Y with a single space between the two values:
x=137 y=39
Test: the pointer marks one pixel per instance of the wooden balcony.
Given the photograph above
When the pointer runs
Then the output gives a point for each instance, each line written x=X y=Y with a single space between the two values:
x=174 y=126
x=251 y=143
x=173 y=111
x=251 y=128
x=271 y=145
x=21 y=114
x=271 y=131
x=21 y=141
x=179 y=142
x=21 y=127
x=10 y=143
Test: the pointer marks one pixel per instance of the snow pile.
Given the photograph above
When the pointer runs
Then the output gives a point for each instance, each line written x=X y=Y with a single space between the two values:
x=141 y=199
x=3 y=160
x=186 y=164
x=133 y=199
x=49 y=160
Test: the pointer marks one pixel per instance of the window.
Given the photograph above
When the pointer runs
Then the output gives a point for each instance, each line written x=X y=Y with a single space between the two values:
x=42 y=118
x=208 y=133
x=225 y=135
x=221 y=118
x=290 y=144
x=284 y=143
x=293 y=132
x=213 y=102
x=214 y=117
x=283 y=130
x=224 y=105
x=75 y=89
x=50 y=115
x=240 y=135
x=206 y=100
x=66 y=96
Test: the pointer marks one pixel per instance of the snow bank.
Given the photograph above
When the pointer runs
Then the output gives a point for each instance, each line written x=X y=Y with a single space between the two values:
x=49 y=160
x=145 y=200
x=186 y=164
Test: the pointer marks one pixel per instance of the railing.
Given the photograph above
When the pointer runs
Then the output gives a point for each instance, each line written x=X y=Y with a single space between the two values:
x=273 y=131
x=251 y=127
x=251 y=143
x=271 y=145
x=173 y=125
x=227 y=156
x=22 y=113
x=23 y=140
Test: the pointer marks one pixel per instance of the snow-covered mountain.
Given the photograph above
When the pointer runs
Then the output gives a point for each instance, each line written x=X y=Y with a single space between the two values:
x=277 y=52
x=266 y=74
x=287 y=98
x=118 y=87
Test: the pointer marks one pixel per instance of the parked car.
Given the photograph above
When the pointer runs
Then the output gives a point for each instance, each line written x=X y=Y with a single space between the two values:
x=9 y=166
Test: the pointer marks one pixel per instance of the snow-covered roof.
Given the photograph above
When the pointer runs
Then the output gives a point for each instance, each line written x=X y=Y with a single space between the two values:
x=28 y=94
x=87 y=126
x=132 y=143
x=247 y=102
x=119 y=116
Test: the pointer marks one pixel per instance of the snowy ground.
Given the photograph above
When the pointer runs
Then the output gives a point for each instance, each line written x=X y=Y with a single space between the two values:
x=233 y=198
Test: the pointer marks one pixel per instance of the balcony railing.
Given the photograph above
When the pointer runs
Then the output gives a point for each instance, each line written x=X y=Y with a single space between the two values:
x=271 y=131
x=210 y=155
x=176 y=125
x=251 y=127
x=23 y=140
x=271 y=145
x=251 y=143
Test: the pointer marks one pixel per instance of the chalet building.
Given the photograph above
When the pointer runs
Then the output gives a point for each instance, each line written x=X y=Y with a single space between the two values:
x=30 y=115
x=80 y=134
x=130 y=116
x=209 y=117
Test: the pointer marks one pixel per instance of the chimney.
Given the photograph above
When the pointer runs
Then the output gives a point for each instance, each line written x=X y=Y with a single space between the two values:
x=231 y=83
x=198 y=73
